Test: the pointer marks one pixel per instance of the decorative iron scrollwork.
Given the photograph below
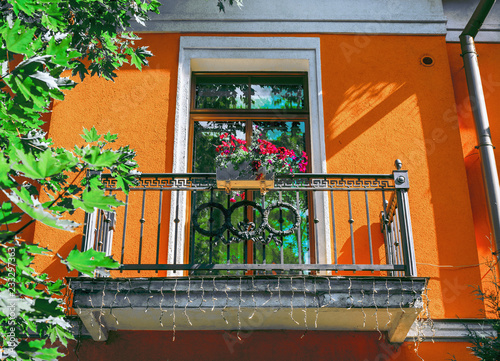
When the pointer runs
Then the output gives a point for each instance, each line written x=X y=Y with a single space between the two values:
x=246 y=230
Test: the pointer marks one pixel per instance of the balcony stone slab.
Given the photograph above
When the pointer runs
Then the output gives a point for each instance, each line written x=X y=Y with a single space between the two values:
x=387 y=304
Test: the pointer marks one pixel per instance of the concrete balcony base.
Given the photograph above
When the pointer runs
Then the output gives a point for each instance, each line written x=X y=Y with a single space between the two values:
x=387 y=304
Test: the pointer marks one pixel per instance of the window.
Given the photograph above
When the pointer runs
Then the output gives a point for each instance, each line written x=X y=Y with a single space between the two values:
x=247 y=54
x=274 y=105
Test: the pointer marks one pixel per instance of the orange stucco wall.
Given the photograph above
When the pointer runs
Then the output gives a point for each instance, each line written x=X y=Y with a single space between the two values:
x=488 y=55
x=140 y=107
x=260 y=345
x=379 y=104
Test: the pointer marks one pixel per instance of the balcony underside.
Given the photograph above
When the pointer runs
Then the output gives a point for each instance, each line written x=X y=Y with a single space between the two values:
x=388 y=304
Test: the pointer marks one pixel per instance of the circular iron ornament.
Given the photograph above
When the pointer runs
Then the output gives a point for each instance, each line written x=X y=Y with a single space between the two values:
x=291 y=230
x=246 y=230
x=218 y=231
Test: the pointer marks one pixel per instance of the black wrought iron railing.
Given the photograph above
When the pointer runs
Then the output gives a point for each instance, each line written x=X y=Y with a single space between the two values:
x=308 y=222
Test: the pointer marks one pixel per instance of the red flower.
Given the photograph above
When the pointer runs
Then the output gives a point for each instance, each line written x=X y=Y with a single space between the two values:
x=256 y=165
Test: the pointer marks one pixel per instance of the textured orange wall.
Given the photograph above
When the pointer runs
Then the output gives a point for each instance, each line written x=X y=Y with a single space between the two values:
x=260 y=345
x=380 y=104
x=488 y=55
x=140 y=107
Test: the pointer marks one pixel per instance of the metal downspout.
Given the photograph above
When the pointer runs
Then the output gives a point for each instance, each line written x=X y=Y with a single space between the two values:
x=478 y=105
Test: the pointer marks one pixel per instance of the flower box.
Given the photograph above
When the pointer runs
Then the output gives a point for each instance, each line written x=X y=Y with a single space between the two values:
x=244 y=177
x=239 y=167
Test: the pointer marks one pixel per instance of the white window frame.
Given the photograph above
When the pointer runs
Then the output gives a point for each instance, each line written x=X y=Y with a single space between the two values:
x=249 y=54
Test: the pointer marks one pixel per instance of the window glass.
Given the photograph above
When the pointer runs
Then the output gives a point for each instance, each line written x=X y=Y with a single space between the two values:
x=277 y=93
x=292 y=136
x=206 y=134
x=221 y=93
x=226 y=93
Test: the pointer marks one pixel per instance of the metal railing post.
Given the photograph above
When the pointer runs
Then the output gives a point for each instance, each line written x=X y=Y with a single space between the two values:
x=402 y=185
x=89 y=224
x=388 y=239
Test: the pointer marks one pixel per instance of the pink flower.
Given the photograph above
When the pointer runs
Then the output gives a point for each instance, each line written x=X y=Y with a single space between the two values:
x=232 y=200
x=302 y=166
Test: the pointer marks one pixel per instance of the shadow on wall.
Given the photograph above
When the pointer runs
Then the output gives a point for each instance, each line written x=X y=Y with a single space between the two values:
x=380 y=104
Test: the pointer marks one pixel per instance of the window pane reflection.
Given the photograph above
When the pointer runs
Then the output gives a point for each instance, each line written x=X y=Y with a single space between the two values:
x=291 y=135
x=206 y=136
x=221 y=93
x=277 y=93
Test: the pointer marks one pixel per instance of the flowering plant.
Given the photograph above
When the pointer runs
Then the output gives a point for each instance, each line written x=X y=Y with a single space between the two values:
x=262 y=156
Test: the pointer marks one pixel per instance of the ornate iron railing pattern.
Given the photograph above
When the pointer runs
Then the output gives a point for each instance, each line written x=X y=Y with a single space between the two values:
x=395 y=224
x=302 y=182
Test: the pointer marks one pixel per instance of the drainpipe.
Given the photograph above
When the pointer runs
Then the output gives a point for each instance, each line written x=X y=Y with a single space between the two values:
x=478 y=105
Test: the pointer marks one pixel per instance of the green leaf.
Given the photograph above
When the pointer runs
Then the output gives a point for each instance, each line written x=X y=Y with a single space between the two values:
x=7 y=236
x=5 y=179
x=135 y=60
x=22 y=5
x=7 y=216
x=86 y=262
x=58 y=333
x=90 y=135
x=35 y=210
x=56 y=287
x=47 y=164
x=79 y=68
x=36 y=350
x=60 y=51
x=29 y=290
x=96 y=198
x=36 y=249
x=96 y=158
x=18 y=38
x=49 y=80
x=49 y=307
x=110 y=138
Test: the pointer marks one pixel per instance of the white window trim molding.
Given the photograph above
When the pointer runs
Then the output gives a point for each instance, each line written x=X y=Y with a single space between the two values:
x=285 y=54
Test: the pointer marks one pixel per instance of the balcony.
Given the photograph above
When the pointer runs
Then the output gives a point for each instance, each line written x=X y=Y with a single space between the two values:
x=324 y=251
